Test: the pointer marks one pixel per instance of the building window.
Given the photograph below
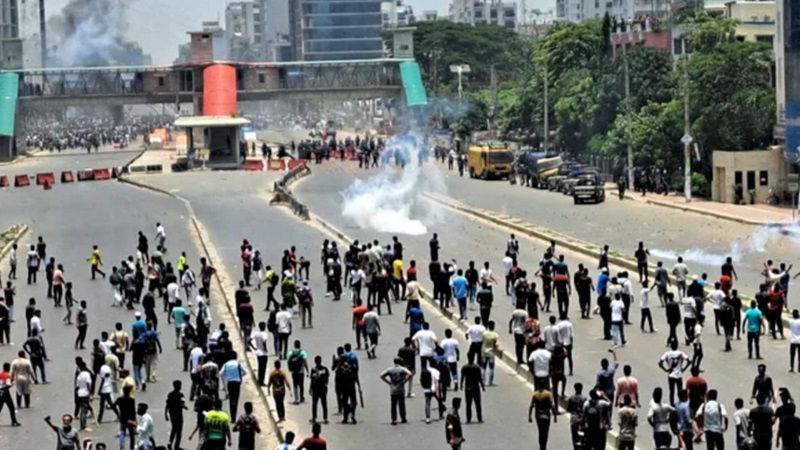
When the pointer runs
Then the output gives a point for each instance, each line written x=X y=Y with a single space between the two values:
x=676 y=46
x=737 y=177
x=751 y=179
x=262 y=78
x=763 y=178
x=764 y=38
x=479 y=14
x=160 y=81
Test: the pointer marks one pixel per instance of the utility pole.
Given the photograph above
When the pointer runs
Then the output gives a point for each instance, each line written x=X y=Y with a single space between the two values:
x=687 y=138
x=628 y=107
x=493 y=110
x=546 y=108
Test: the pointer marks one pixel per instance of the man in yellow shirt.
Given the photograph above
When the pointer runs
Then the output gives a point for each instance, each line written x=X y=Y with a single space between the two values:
x=397 y=279
x=490 y=340
x=96 y=262
x=181 y=266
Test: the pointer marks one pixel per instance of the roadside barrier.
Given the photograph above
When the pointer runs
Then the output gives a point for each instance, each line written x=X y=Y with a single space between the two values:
x=66 y=177
x=253 y=164
x=101 y=174
x=86 y=175
x=46 y=177
x=22 y=180
x=3 y=181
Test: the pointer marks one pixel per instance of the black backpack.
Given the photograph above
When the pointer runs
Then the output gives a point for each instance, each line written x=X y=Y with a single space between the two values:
x=425 y=379
x=347 y=369
x=591 y=416
x=444 y=371
x=295 y=362
x=275 y=279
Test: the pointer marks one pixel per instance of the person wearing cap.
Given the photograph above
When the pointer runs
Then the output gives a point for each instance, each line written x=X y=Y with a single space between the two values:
x=139 y=326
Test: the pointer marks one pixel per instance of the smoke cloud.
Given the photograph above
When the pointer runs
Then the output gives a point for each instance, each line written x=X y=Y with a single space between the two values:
x=391 y=202
x=90 y=33
x=754 y=243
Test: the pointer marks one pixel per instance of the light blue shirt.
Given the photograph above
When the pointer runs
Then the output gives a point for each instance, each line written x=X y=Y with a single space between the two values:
x=179 y=316
x=232 y=371
x=753 y=317
x=460 y=286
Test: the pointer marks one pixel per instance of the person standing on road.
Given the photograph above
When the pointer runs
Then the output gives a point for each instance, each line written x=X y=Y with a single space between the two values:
x=161 y=237
x=425 y=342
x=660 y=415
x=396 y=377
x=319 y=376
x=760 y=420
x=206 y=272
x=173 y=413
x=84 y=389
x=218 y=428
x=66 y=437
x=762 y=385
x=628 y=421
x=472 y=385
x=641 y=255
x=5 y=394
x=459 y=285
x=233 y=373
x=794 y=340
x=542 y=401
x=434 y=247
x=258 y=343
x=358 y=322
x=596 y=415
x=283 y=321
x=247 y=426
x=753 y=324
x=372 y=328
x=297 y=363
x=674 y=362
x=277 y=385
x=12 y=262
x=474 y=335
x=33 y=264
x=712 y=419
x=454 y=434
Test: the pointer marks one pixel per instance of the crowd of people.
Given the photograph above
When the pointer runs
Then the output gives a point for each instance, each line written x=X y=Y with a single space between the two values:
x=89 y=133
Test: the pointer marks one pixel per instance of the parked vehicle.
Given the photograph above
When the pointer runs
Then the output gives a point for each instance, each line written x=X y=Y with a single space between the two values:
x=538 y=167
x=588 y=188
x=490 y=160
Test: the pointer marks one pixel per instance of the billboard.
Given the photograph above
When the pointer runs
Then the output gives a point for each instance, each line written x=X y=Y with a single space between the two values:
x=9 y=89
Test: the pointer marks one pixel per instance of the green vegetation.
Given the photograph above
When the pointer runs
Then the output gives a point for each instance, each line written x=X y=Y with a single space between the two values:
x=730 y=89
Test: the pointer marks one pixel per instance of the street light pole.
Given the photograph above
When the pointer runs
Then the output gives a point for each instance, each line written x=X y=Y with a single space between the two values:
x=460 y=70
x=687 y=138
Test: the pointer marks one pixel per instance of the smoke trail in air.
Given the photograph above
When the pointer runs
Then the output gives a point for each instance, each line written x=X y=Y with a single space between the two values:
x=389 y=202
x=754 y=243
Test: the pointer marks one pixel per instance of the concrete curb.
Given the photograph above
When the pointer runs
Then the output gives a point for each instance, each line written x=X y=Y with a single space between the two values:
x=253 y=370
x=573 y=244
x=21 y=231
x=699 y=211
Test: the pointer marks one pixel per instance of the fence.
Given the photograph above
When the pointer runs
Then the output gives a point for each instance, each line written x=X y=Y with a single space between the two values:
x=284 y=195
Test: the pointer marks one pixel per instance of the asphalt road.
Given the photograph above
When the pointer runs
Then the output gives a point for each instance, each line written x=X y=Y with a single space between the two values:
x=72 y=218
x=465 y=239
x=243 y=212
x=704 y=241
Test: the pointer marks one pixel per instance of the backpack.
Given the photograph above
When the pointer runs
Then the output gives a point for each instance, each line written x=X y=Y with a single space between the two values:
x=591 y=416
x=347 y=369
x=275 y=279
x=114 y=279
x=444 y=371
x=425 y=379
x=150 y=344
x=295 y=362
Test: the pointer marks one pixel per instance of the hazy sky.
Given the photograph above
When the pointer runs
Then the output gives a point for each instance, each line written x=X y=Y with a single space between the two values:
x=159 y=26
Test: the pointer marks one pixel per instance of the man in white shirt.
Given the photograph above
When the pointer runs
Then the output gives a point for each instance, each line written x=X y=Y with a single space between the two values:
x=284 y=321
x=451 y=353
x=145 y=429
x=644 y=305
x=566 y=336
x=258 y=343
x=794 y=340
x=83 y=391
x=188 y=279
x=680 y=271
x=485 y=275
x=627 y=296
x=716 y=296
x=108 y=386
x=474 y=335
x=689 y=317
x=617 y=320
x=172 y=297
x=196 y=363
x=161 y=236
x=674 y=362
x=550 y=335
x=288 y=439
x=431 y=392
x=36 y=322
x=425 y=343
x=539 y=366
x=713 y=419
x=355 y=285
x=508 y=263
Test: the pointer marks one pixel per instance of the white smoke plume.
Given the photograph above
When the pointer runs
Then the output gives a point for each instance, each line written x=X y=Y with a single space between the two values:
x=754 y=243
x=90 y=33
x=390 y=202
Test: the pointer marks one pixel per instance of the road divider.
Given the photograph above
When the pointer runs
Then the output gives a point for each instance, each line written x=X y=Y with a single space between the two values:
x=86 y=175
x=22 y=180
x=45 y=178
x=283 y=195
x=67 y=177
x=102 y=174
x=154 y=168
x=3 y=181
x=253 y=165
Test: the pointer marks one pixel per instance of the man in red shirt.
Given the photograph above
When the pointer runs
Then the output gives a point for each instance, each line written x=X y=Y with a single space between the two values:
x=411 y=273
x=358 y=322
x=697 y=388
x=5 y=393
x=775 y=308
x=315 y=442
x=627 y=385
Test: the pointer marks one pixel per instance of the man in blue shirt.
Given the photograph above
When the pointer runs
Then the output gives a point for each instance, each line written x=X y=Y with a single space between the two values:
x=414 y=318
x=139 y=326
x=233 y=372
x=602 y=281
x=459 y=284
x=684 y=413
x=753 y=324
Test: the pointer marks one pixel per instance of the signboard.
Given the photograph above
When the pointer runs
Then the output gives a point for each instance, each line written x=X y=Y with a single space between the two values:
x=793 y=182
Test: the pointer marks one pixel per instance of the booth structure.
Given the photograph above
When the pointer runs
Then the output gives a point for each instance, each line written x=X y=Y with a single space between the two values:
x=213 y=138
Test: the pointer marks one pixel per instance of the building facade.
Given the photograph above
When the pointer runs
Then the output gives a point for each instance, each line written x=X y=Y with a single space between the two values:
x=484 y=12
x=22 y=28
x=788 y=57
x=396 y=14
x=333 y=31
x=623 y=10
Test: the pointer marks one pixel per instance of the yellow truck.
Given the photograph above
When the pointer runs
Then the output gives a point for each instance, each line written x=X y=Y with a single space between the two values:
x=490 y=160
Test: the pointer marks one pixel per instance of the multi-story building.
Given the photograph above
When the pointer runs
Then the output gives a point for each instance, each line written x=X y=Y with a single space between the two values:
x=327 y=31
x=476 y=12
x=395 y=13
x=23 y=32
x=428 y=15
x=244 y=31
x=623 y=10
x=756 y=21
x=787 y=64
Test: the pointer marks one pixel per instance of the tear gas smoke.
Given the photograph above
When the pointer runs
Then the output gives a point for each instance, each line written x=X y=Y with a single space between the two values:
x=90 y=33
x=754 y=243
x=390 y=202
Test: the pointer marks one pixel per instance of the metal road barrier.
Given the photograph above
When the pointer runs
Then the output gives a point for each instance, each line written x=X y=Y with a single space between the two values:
x=284 y=195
